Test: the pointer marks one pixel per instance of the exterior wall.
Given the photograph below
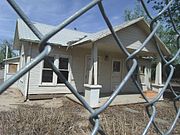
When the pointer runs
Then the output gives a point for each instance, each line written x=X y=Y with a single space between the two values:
x=134 y=33
x=105 y=77
x=78 y=67
x=129 y=87
x=128 y=36
x=77 y=64
x=22 y=84
x=76 y=78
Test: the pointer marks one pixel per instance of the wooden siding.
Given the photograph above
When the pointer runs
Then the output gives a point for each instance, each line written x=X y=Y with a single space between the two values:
x=127 y=36
x=78 y=54
x=21 y=82
x=76 y=73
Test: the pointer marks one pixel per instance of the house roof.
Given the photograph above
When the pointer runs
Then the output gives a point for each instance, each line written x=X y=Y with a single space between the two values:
x=63 y=38
x=101 y=34
x=67 y=37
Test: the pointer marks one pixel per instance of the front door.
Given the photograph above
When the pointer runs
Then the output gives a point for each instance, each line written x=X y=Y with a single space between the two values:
x=116 y=74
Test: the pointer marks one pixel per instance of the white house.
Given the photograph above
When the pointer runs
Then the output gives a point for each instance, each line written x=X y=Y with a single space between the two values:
x=87 y=60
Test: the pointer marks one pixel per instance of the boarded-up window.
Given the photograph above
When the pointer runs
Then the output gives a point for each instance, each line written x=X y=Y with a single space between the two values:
x=12 y=68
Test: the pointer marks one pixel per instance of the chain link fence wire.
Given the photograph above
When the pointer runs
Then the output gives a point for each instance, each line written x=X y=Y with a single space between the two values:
x=151 y=109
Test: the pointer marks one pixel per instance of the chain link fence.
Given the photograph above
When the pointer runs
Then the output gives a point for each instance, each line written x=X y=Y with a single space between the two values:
x=45 y=48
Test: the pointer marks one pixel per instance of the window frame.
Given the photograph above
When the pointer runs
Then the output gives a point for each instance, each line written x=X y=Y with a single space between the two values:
x=47 y=83
x=68 y=69
x=55 y=78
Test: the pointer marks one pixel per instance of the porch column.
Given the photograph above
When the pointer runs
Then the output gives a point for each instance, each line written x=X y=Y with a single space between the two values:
x=5 y=70
x=158 y=77
x=148 y=77
x=27 y=75
x=92 y=89
x=90 y=79
x=95 y=65
x=6 y=64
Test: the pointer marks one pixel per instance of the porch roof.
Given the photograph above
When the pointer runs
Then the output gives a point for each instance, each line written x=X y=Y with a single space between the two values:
x=101 y=34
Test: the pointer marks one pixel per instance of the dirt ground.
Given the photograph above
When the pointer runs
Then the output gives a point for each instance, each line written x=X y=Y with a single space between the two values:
x=12 y=98
x=63 y=116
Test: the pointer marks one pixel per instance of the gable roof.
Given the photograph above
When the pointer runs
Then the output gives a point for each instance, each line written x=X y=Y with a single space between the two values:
x=103 y=33
x=67 y=37
x=63 y=38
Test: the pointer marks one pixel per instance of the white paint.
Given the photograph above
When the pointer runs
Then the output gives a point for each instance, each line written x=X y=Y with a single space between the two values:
x=92 y=94
x=158 y=77
x=95 y=65
x=90 y=80
x=6 y=51
x=106 y=46
x=27 y=75
x=148 y=77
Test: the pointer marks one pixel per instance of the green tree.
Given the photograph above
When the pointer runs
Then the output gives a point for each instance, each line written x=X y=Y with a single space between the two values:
x=3 y=45
x=165 y=31
x=135 y=13
x=167 y=34
x=174 y=9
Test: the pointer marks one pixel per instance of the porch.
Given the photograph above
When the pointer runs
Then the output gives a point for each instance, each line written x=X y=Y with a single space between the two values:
x=93 y=88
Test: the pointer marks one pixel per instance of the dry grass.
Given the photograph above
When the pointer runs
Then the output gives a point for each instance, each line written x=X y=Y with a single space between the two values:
x=73 y=119
x=37 y=120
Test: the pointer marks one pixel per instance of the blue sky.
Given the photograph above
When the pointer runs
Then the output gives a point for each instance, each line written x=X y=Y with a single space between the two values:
x=54 y=12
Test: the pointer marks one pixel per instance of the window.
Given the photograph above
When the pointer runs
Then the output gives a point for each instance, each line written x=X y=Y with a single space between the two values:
x=47 y=72
x=62 y=63
x=63 y=67
x=12 y=68
x=116 y=66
